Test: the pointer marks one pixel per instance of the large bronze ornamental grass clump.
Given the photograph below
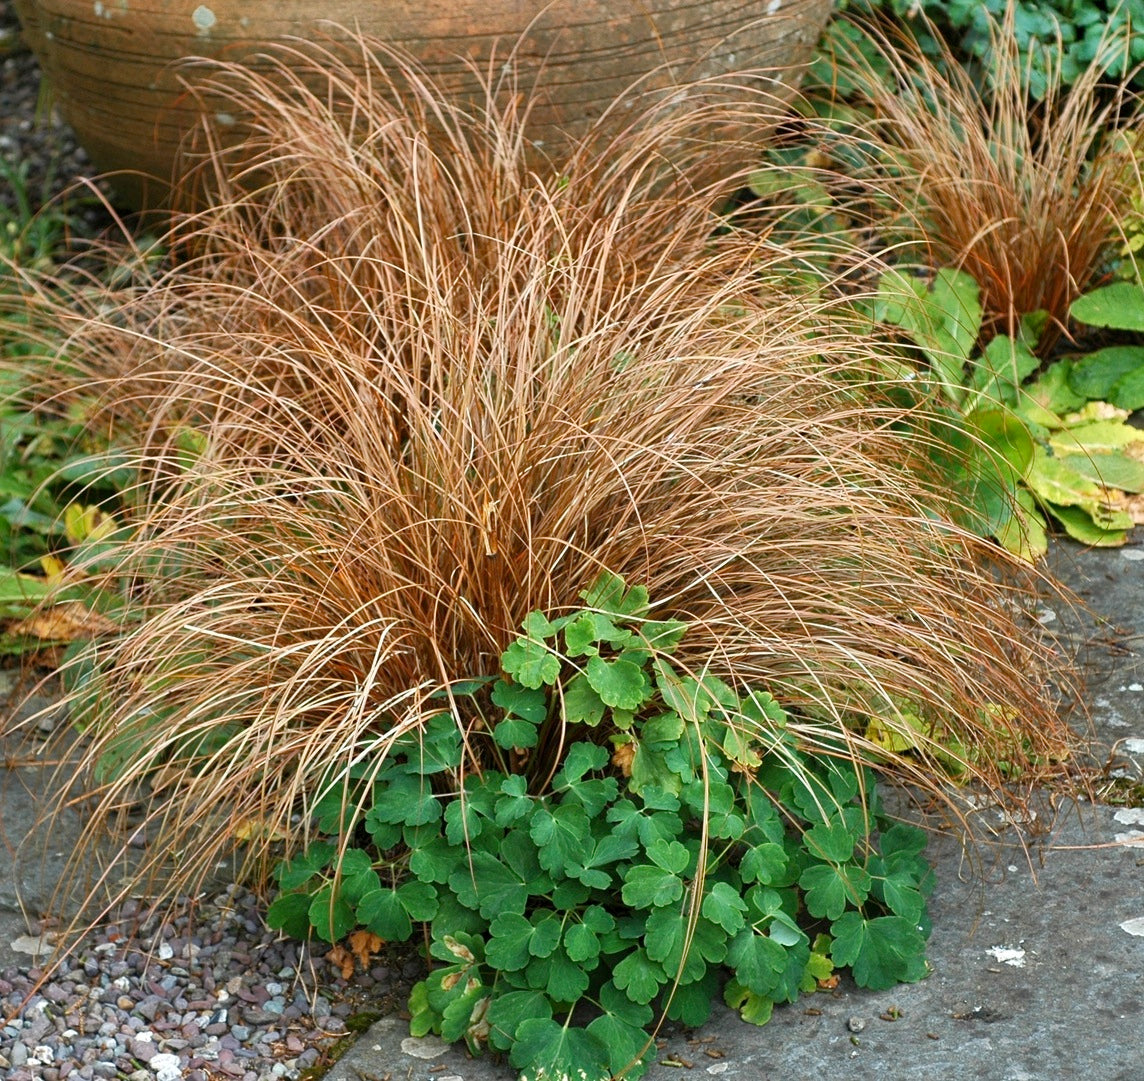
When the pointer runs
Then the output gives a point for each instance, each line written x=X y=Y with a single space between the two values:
x=394 y=390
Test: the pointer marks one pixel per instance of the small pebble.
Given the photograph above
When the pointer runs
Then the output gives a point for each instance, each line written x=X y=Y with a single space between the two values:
x=856 y=1024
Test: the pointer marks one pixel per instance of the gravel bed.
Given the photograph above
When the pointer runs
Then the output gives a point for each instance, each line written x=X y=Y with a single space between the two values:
x=203 y=999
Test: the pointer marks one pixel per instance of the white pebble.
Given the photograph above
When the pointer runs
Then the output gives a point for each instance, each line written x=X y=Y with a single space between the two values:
x=167 y=1067
x=1134 y=554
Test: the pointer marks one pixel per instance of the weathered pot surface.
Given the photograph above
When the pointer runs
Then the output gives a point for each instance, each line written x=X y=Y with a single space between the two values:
x=109 y=62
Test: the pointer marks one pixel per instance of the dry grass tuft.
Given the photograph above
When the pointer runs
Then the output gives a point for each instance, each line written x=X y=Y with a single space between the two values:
x=1025 y=195
x=396 y=391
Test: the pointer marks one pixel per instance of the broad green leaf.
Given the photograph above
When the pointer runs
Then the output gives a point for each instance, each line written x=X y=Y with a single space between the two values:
x=435 y=860
x=1056 y=481
x=691 y=1002
x=580 y=637
x=490 y=886
x=509 y=937
x=1119 y=306
x=562 y=836
x=529 y=660
x=1003 y=366
x=619 y=683
x=331 y=916
x=547 y=1051
x=764 y=863
x=528 y=703
x=881 y=952
x=1006 y=434
x=669 y=855
x=509 y=1011
x=609 y=849
x=515 y=732
x=515 y=803
x=832 y=842
x=757 y=961
x=1129 y=391
x=662 y=728
x=724 y=905
x=627 y=1044
x=753 y=1008
x=579 y=759
x=1024 y=534
x=902 y=897
x=1111 y=470
x=646 y=886
x=463 y=1011
x=581 y=703
x=296 y=872
x=1052 y=394
x=561 y=978
x=639 y=977
x=608 y=594
x=419 y=899
x=1093 y=376
x=405 y=799
x=1099 y=437
x=829 y=889
x=1079 y=525
x=290 y=912
x=581 y=943
x=663 y=636
x=382 y=913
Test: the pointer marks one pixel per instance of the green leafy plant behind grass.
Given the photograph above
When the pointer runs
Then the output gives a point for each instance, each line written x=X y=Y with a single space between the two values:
x=648 y=837
x=1083 y=29
x=1023 y=440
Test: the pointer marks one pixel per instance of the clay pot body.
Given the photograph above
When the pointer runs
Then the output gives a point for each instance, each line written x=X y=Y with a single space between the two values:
x=111 y=63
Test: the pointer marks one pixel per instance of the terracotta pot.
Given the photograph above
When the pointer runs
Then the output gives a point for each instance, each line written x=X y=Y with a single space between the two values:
x=109 y=61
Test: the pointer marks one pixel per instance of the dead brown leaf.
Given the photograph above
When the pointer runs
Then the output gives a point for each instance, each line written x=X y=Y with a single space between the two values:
x=364 y=944
x=71 y=621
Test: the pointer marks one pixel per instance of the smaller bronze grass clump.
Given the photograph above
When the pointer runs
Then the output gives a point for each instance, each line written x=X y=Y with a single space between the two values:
x=1026 y=195
x=397 y=390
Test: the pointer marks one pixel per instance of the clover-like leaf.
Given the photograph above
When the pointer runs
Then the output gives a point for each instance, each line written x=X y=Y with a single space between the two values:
x=619 y=683
x=515 y=732
x=545 y=1051
x=296 y=872
x=639 y=977
x=382 y=913
x=829 y=888
x=723 y=905
x=646 y=885
x=758 y=961
x=290 y=912
x=331 y=915
x=581 y=703
x=404 y=799
x=609 y=594
x=528 y=659
x=899 y=891
x=832 y=841
x=528 y=703
x=764 y=863
x=581 y=943
x=489 y=885
x=508 y=1011
x=753 y=1008
x=562 y=835
x=881 y=952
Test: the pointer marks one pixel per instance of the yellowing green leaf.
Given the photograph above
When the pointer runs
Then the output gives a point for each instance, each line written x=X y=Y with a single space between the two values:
x=1101 y=436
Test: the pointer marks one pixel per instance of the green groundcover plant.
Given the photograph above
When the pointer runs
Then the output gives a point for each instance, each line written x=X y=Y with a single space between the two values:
x=1031 y=439
x=1108 y=31
x=646 y=836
